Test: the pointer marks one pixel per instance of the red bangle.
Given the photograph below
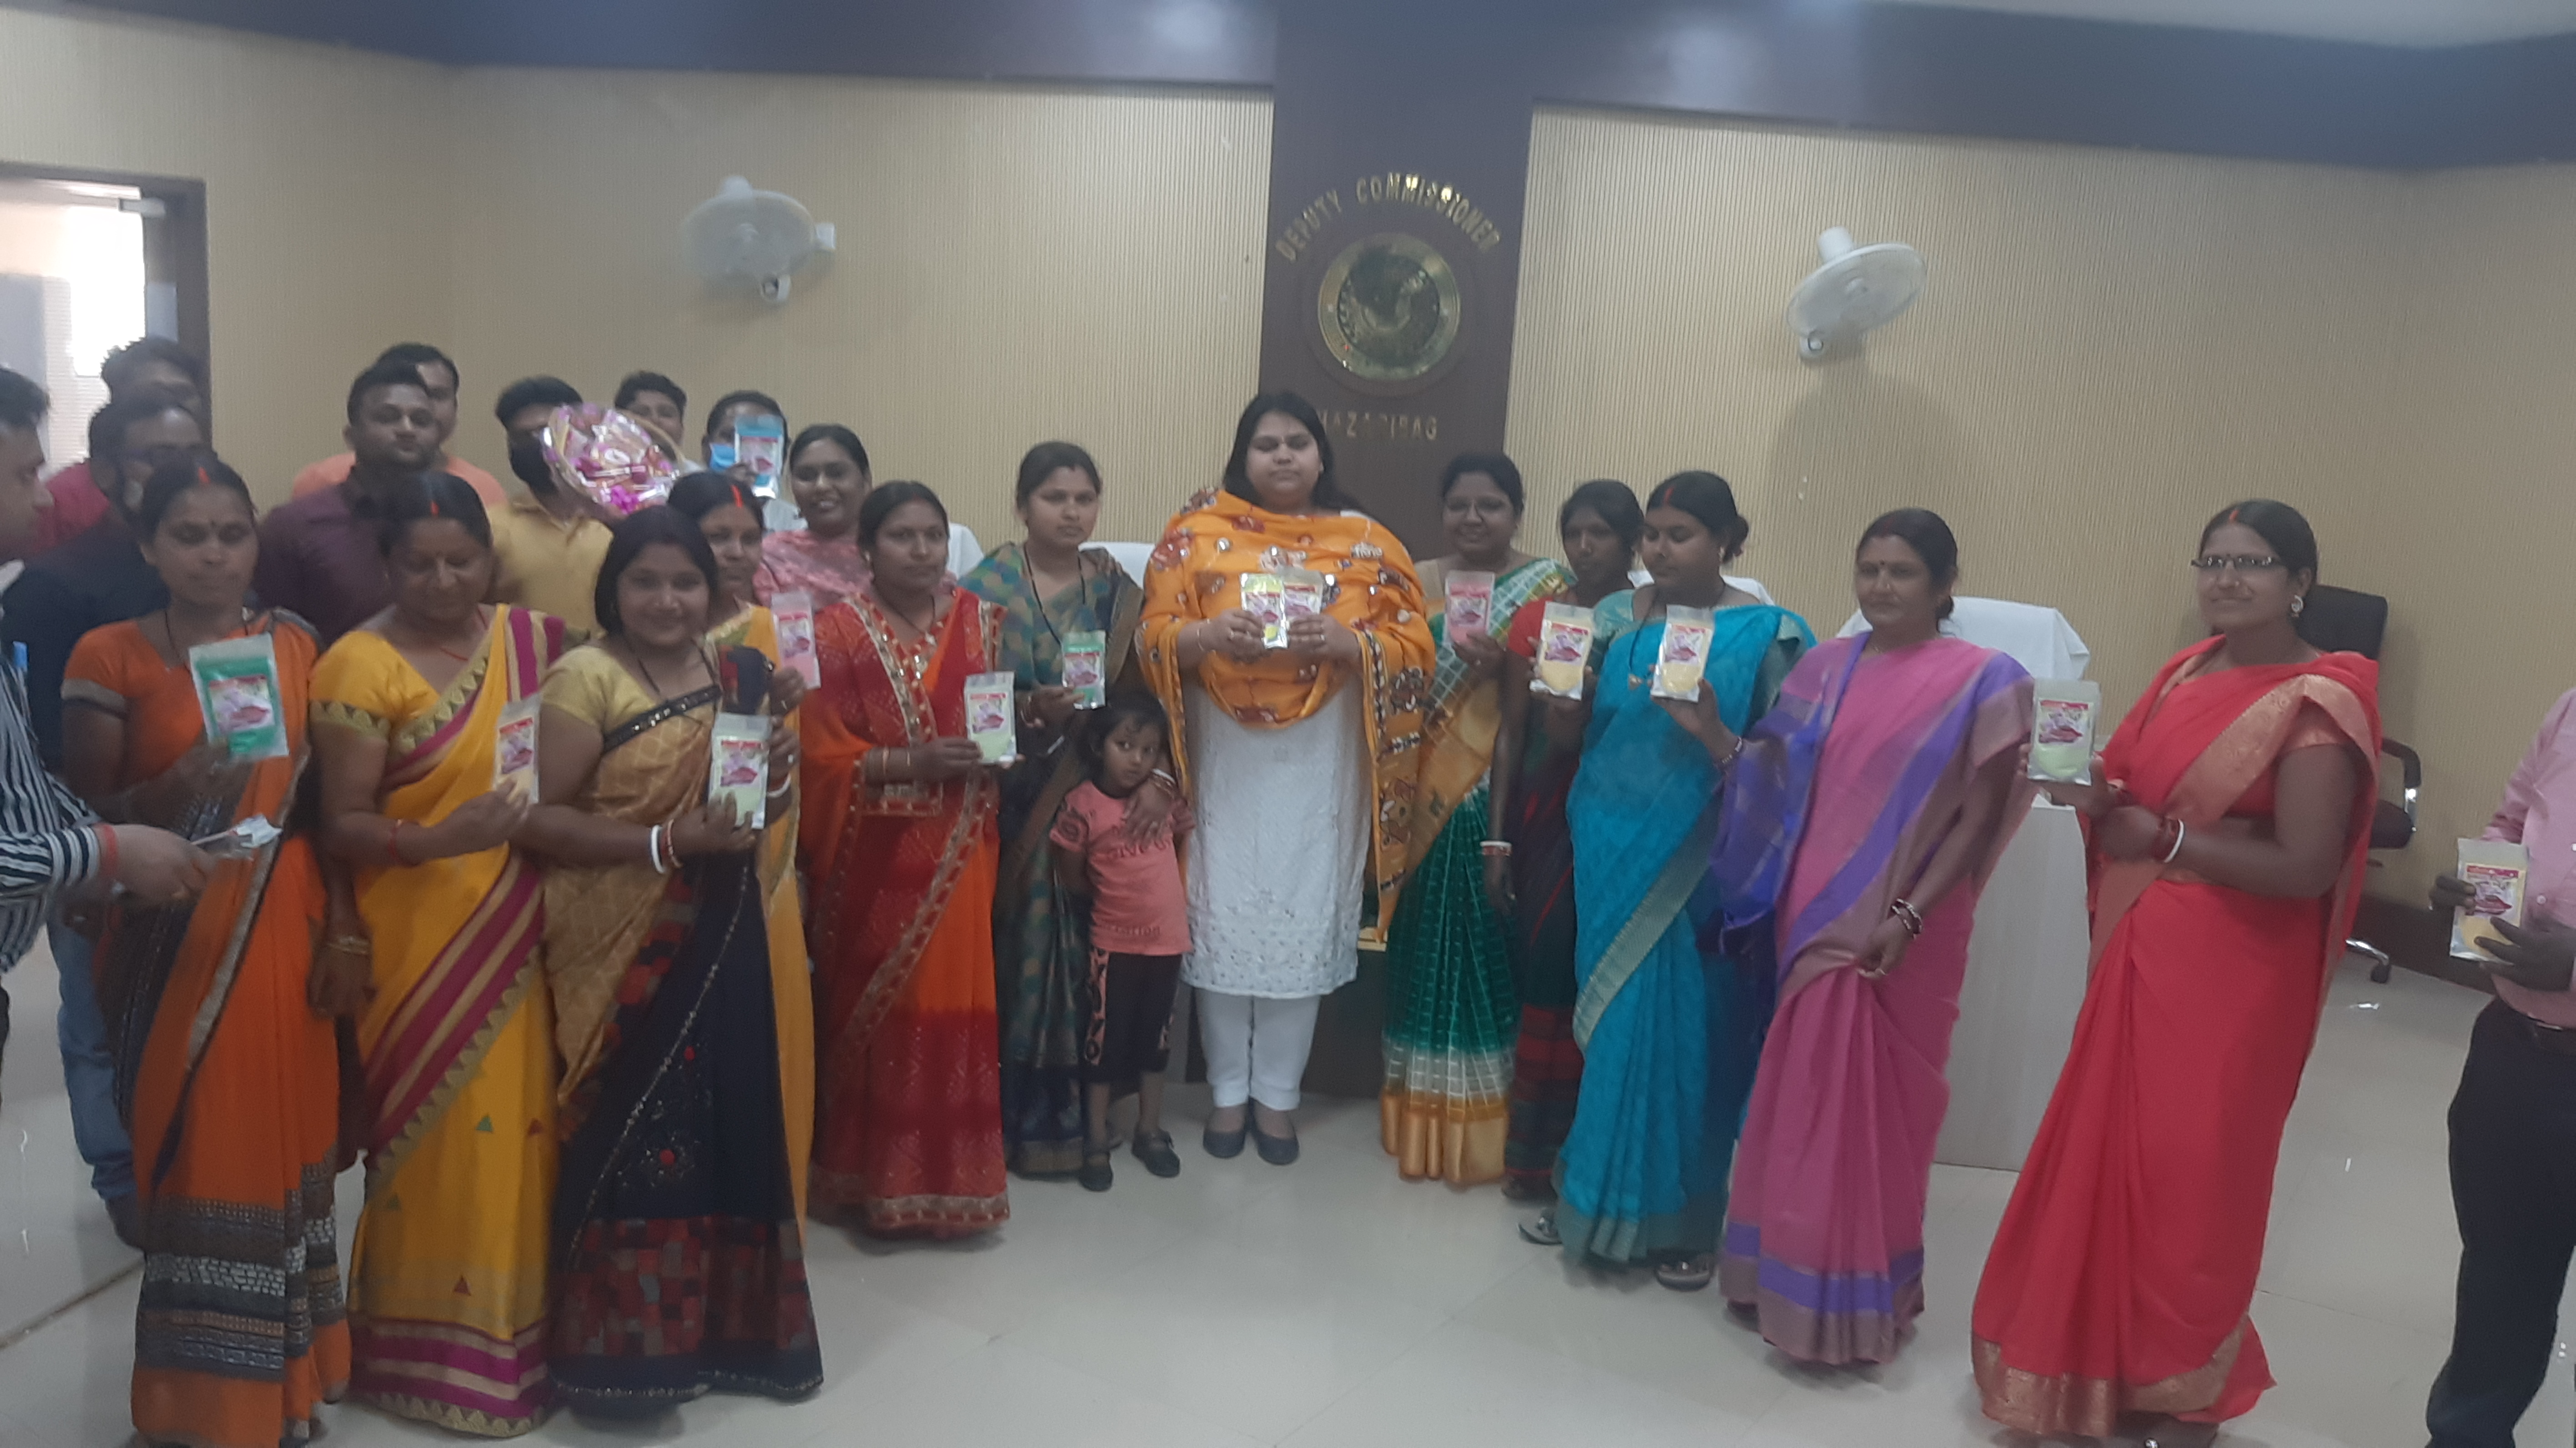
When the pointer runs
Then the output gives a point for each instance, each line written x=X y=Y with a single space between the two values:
x=106 y=850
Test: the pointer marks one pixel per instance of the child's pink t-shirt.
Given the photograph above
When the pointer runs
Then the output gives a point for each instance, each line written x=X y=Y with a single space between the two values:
x=1137 y=904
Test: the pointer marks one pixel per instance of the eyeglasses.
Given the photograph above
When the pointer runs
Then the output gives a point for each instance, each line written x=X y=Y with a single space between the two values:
x=2236 y=562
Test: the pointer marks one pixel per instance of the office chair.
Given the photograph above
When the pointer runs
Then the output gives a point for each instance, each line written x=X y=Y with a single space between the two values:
x=2341 y=620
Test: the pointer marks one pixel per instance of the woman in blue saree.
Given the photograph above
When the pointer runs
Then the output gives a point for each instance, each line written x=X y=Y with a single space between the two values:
x=1669 y=1031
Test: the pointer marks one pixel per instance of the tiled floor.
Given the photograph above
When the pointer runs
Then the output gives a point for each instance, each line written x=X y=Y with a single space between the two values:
x=1329 y=1303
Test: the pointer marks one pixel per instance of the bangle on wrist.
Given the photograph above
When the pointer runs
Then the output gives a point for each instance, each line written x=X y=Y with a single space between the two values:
x=393 y=844
x=2181 y=832
x=349 y=945
x=107 y=851
x=1907 y=916
x=1733 y=754
x=653 y=849
x=1497 y=847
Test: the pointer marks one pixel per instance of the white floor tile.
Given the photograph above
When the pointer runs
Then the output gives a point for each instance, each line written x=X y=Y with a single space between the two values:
x=1003 y=1395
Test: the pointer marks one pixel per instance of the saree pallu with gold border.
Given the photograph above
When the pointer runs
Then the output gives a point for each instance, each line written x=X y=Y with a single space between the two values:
x=679 y=1264
x=230 y=1085
x=909 y=1139
x=2123 y=1274
x=1041 y=937
x=1452 y=1014
x=448 y=1288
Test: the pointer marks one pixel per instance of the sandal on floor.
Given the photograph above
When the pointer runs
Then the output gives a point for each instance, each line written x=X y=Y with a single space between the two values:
x=1154 y=1149
x=1540 y=1231
x=1684 y=1275
x=1226 y=1145
x=1096 y=1174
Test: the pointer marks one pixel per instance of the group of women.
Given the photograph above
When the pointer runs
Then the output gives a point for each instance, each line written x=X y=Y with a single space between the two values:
x=1685 y=968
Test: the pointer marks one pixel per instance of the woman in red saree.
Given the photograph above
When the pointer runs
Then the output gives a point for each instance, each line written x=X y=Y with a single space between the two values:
x=900 y=842
x=2229 y=821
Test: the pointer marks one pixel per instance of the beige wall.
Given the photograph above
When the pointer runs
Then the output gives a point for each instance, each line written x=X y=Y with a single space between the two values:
x=328 y=187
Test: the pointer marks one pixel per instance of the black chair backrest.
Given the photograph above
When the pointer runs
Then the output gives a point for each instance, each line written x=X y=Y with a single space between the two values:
x=2344 y=621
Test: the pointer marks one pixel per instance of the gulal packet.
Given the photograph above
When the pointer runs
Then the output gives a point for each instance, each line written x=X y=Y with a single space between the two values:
x=1265 y=597
x=514 y=748
x=241 y=841
x=794 y=613
x=988 y=717
x=1083 y=661
x=1301 y=595
x=237 y=691
x=1564 y=645
x=1683 y=654
x=2063 y=713
x=1470 y=604
x=2495 y=872
x=760 y=443
x=738 y=768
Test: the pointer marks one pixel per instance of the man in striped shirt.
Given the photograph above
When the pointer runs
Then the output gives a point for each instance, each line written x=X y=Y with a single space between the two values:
x=49 y=842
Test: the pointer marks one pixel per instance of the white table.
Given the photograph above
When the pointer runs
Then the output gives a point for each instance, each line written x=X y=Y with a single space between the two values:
x=2026 y=976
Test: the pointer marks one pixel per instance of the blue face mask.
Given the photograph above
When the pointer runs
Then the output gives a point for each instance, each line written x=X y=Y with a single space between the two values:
x=721 y=455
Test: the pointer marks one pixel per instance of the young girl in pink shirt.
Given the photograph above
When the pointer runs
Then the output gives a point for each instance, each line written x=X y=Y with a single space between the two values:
x=1140 y=927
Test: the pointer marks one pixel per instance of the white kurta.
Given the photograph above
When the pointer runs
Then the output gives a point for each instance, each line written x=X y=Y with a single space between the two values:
x=1279 y=861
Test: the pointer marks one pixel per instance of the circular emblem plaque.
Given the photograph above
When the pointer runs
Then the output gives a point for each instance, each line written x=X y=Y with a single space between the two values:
x=1388 y=309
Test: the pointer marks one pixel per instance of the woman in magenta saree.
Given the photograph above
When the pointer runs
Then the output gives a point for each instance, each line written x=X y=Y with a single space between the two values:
x=2230 y=821
x=1861 y=823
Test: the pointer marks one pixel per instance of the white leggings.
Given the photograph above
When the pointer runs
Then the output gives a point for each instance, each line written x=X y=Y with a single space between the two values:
x=1256 y=1046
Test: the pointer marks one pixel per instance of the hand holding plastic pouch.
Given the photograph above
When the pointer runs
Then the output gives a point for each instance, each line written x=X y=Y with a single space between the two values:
x=237 y=692
x=988 y=717
x=761 y=444
x=1301 y=595
x=2495 y=872
x=1265 y=597
x=794 y=613
x=1470 y=604
x=738 y=768
x=2063 y=712
x=1083 y=656
x=1683 y=655
x=514 y=750
x=1564 y=645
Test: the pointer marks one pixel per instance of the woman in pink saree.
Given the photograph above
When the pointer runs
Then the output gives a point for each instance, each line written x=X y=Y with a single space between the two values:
x=1864 y=815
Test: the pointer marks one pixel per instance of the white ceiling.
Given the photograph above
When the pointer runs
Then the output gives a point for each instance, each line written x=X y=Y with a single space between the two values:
x=2385 y=22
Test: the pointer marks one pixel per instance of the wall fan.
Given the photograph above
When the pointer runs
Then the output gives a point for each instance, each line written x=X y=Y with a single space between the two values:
x=759 y=237
x=1857 y=289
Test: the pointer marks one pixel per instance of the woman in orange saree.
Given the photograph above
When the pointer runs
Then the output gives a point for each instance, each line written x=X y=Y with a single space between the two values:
x=226 y=1069
x=899 y=838
x=2230 y=820
x=447 y=1301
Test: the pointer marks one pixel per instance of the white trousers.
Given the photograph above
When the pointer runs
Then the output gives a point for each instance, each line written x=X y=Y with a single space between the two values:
x=1256 y=1046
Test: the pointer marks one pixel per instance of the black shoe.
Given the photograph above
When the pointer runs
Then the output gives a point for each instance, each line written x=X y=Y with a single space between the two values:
x=1154 y=1149
x=1095 y=1175
x=1226 y=1145
x=126 y=1214
x=1276 y=1150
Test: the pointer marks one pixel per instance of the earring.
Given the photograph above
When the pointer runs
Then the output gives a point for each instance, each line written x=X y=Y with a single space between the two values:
x=2298 y=604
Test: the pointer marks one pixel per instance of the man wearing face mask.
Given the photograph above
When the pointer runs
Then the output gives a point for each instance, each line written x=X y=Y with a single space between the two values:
x=146 y=364
x=437 y=373
x=547 y=545
x=319 y=555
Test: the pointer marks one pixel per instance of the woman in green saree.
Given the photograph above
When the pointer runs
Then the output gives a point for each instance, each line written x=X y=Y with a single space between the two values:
x=1052 y=591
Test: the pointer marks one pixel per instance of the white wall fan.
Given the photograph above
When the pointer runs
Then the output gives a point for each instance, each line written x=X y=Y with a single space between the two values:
x=1858 y=289
x=758 y=237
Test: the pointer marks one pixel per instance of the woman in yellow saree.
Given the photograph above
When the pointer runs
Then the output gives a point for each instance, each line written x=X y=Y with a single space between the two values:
x=728 y=515
x=226 y=1065
x=447 y=1299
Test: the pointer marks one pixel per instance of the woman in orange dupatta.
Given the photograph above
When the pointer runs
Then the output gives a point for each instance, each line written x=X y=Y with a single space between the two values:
x=447 y=1301
x=728 y=514
x=2230 y=820
x=902 y=846
x=1300 y=760
x=227 y=1066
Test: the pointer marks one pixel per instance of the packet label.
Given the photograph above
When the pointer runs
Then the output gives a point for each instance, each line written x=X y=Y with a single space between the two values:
x=514 y=751
x=2063 y=713
x=1083 y=660
x=988 y=717
x=1265 y=597
x=1470 y=604
x=1683 y=655
x=2495 y=872
x=738 y=767
x=237 y=693
x=794 y=613
x=760 y=443
x=1564 y=644
x=1301 y=595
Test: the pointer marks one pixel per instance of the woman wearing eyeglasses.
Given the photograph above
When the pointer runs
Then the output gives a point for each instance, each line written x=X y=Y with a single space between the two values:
x=2229 y=820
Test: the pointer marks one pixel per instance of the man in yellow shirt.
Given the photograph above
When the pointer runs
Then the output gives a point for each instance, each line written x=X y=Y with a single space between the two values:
x=439 y=375
x=550 y=540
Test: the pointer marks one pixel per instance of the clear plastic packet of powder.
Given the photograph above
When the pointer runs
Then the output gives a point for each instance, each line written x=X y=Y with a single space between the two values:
x=514 y=748
x=1470 y=604
x=1301 y=595
x=1265 y=597
x=988 y=717
x=237 y=691
x=241 y=841
x=2495 y=872
x=738 y=768
x=1683 y=655
x=2063 y=713
x=794 y=613
x=760 y=443
x=1084 y=656
x=1564 y=646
